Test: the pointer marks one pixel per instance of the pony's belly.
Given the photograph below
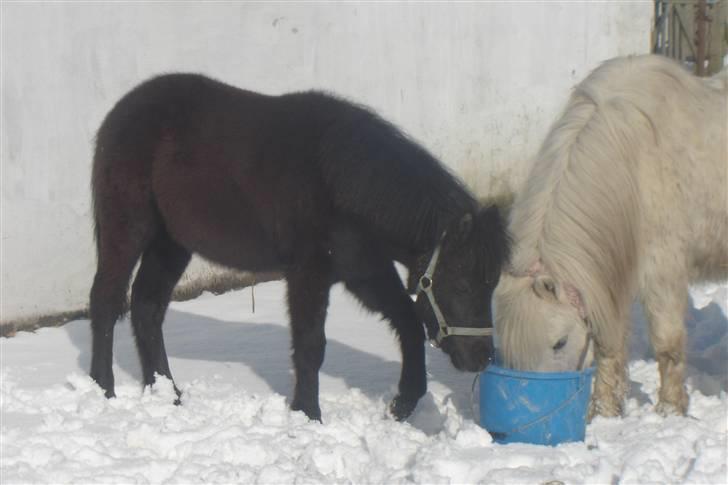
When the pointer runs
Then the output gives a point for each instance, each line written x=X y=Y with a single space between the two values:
x=221 y=227
x=247 y=254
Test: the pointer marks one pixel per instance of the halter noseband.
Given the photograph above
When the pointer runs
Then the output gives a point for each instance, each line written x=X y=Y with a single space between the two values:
x=425 y=285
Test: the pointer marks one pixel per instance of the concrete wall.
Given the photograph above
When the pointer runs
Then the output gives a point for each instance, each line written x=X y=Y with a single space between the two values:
x=477 y=84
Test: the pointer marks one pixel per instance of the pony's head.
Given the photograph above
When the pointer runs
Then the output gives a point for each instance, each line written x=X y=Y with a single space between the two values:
x=455 y=285
x=541 y=323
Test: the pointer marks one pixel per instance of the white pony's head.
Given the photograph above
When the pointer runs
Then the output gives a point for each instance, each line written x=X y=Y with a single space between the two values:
x=541 y=323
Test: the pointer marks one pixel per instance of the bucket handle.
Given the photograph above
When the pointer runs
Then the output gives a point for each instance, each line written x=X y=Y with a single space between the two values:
x=501 y=435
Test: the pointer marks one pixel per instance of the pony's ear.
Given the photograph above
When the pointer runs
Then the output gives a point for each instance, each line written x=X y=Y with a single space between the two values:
x=545 y=287
x=465 y=226
x=574 y=297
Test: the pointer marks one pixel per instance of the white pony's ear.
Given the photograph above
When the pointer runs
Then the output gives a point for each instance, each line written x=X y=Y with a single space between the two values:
x=545 y=287
x=574 y=297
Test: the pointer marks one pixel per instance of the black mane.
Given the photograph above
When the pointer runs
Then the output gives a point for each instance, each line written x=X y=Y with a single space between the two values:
x=374 y=170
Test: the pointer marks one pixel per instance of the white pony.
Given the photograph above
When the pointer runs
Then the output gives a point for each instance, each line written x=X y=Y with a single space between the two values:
x=627 y=196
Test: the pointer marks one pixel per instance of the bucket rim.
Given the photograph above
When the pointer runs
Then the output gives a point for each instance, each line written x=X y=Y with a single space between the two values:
x=496 y=369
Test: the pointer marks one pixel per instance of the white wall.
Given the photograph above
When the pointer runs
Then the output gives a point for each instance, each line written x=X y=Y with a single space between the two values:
x=477 y=84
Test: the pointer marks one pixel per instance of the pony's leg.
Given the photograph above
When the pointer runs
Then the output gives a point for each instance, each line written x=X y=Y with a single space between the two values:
x=117 y=255
x=373 y=280
x=610 y=380
x=163 y=263
x=308 y=298
x=381 y=290
x=664 y=298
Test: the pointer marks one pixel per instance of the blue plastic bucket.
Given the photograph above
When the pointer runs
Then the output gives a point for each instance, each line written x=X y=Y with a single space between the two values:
x=544 y=408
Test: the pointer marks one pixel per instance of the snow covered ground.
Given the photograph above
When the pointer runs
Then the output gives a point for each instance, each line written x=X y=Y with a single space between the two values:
x=234 y=426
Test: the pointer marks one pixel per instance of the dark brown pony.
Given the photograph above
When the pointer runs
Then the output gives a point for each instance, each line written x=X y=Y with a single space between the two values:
x=306 y=184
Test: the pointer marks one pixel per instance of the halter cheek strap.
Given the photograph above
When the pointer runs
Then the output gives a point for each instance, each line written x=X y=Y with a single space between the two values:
x=585 y=350
x=425 y=285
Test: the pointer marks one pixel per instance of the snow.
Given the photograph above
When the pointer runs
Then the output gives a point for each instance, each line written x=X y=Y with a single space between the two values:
x=234 y=425
x=708 y=293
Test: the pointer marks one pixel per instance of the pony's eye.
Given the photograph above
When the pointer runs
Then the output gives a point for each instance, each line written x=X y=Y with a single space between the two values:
x=462 y=286
x=560 y=344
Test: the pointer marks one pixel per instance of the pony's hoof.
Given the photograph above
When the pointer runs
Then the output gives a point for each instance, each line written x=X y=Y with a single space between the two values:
x=108 y=391
x=178 y=399
x=666 y=409
x=401 y=408
x=106 y=385
x=672 y=401
x=312 y=411
x=604 y=409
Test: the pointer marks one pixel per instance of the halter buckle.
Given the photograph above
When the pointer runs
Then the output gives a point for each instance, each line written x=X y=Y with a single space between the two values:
x=425 y=282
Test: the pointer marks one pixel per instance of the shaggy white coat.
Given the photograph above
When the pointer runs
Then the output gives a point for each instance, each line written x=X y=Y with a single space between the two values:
x=627 y=196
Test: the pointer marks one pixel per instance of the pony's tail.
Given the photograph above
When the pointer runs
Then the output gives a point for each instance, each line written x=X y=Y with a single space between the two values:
x=94 y=189
x=130 y=137
x=104 y=146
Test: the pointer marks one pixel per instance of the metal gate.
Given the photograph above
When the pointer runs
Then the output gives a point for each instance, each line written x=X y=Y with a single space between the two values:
x=693 y=32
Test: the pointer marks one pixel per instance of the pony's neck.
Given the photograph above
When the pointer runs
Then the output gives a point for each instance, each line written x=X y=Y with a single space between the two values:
x=377 y=174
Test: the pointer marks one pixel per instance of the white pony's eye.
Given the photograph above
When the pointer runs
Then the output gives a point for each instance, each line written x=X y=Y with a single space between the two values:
x=550 y=286
x=560 y=344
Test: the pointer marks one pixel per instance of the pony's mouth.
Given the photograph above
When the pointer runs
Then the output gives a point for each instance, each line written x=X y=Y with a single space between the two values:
x=469 y=354
x=468 y=365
